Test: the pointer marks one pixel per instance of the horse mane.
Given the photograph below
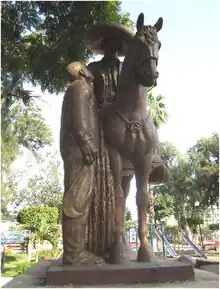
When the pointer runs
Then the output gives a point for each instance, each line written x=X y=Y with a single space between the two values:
x=148 y=32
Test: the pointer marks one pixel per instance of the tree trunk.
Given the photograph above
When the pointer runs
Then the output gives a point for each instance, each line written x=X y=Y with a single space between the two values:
x=28 y=251
x=185 y=227
x=37 y=252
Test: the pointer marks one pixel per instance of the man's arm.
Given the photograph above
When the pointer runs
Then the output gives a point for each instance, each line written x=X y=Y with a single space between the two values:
x=77 y=101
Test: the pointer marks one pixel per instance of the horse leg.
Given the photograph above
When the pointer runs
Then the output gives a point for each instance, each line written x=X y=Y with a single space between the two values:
x=126 y=180
x=142 y=172
x=117 y=251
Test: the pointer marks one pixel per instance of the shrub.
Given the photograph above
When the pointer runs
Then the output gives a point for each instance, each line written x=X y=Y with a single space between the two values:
x=51 y=254
x=23 y=266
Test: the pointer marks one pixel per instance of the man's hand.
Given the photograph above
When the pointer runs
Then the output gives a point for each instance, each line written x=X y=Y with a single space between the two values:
x=89 y=152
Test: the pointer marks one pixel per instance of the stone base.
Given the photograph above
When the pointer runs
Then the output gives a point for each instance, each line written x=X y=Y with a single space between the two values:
x=132 y=273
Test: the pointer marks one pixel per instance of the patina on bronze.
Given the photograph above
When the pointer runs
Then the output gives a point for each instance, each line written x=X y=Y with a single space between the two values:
x=130 y=133
x=79 y=151
x=93 y=207
x=112 y=40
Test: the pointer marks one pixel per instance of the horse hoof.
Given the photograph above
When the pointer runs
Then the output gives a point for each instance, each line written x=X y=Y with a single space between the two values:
x=118 y=254
x=146 y=254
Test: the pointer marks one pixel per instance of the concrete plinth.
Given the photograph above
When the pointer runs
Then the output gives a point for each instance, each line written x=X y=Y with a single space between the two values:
x=132 y=273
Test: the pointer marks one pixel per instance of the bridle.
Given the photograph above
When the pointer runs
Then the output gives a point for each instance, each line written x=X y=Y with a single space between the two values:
x=151 y=57
x=150 y=88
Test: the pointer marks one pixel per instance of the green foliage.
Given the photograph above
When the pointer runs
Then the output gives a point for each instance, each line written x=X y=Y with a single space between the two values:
x=158 y=109
x=33 y=218
x=214 y=227
x=52 y=254
x=128 y=215
x=128 y=219
x=204 y=158
x=194 y=221
x=15 y=265
x=163 y=205
x=8 y=188
x=194 y=178
x=42 y=222
x=22 y=267
x=129 y=224
x=43 y=188
x=40 y=38
x=23 y=126
x=170 y=154
x=52 y=235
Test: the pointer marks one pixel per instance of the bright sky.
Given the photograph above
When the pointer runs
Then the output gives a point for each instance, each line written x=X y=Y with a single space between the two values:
x=188 y=66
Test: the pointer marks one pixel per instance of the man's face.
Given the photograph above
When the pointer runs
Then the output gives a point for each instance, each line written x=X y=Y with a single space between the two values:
x=110 y=47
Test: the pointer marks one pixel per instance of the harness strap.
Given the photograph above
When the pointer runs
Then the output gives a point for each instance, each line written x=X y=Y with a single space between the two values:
x=133 y=125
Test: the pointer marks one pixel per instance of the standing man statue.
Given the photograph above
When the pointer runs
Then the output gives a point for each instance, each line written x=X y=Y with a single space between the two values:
x=79 y=151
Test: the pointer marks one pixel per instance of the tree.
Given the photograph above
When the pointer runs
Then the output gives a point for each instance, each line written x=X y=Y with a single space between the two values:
x=170 y=154
x=204 y=158
x=40 y=38
x=43 y=188
x=23 y=126
x=179 y=185
x=8 y=189
x=128 y=215
x=128 y=219
x=158 y=109
x=163 y=204
x=41 y=221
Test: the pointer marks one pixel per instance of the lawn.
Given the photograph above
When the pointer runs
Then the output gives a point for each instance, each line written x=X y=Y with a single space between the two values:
x=15 y=265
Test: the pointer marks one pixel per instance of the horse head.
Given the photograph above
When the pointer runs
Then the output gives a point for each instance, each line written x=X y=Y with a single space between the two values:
x=144 y=52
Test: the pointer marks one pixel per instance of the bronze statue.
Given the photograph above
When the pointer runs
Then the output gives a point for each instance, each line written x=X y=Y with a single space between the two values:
x=79 y=151
x=95 y=194
x=130 y=133
x=112 y=41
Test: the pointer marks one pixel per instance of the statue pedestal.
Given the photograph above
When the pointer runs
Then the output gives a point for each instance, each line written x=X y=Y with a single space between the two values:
x=132 y=273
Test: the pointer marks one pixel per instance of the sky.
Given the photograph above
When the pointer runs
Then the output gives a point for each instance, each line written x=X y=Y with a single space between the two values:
x=189 y=76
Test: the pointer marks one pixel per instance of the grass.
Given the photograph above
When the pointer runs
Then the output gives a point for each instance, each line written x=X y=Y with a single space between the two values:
x=15 y=265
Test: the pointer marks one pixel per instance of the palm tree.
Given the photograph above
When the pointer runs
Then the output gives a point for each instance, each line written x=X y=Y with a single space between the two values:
x=158 y=109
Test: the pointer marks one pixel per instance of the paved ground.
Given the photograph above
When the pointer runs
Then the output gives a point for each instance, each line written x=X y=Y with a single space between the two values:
x=4 y=280
x=35 y=277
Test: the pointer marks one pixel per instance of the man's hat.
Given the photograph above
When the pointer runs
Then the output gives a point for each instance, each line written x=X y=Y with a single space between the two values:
x=108 y=30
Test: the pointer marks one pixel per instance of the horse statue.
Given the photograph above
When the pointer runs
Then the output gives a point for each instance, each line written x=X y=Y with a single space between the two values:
x=130 y=134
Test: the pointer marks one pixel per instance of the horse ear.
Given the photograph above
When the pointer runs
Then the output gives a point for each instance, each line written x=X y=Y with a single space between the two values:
x=140 y=22
x=159 y=24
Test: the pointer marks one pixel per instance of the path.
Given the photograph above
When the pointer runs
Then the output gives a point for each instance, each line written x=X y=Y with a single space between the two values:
x=5 y=280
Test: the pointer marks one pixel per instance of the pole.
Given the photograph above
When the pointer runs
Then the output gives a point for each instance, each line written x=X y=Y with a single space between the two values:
x=201 y=237
x=164 y=250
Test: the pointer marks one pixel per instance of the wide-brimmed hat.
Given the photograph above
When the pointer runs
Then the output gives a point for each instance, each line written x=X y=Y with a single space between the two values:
x=108 y=30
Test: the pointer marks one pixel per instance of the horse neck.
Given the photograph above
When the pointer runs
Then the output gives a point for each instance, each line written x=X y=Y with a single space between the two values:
x=130 y=93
